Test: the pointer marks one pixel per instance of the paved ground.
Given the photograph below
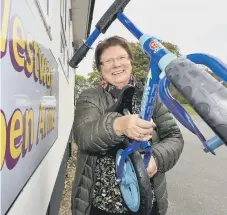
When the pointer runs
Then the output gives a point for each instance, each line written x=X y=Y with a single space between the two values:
x=198 y=183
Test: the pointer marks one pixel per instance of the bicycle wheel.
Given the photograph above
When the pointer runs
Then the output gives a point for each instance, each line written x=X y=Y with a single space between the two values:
x=136 y=189
x=203 y=92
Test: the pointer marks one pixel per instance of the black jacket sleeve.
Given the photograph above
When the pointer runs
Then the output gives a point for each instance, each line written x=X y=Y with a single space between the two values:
x=93 y=130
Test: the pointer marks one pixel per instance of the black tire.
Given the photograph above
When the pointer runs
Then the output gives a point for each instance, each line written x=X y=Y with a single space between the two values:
x=203 y=92
x=146 y=190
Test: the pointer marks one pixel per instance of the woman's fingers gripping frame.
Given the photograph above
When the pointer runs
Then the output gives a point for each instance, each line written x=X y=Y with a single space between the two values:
x=145 y=124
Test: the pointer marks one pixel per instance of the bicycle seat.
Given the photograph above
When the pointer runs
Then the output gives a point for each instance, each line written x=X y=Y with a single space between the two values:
x=124 y=100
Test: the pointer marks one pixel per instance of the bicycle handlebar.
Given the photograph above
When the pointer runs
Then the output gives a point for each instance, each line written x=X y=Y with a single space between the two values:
x=103 y=24
x=79 y=55
x=111 y=14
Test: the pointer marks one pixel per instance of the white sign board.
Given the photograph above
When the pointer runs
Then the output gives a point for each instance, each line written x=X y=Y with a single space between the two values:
x=29 y=98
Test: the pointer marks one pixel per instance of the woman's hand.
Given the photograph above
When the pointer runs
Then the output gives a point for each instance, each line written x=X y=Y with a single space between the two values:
x=134 y=127
x=152 y=167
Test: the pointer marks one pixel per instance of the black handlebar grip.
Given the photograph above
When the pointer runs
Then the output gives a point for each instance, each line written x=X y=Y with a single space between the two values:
x=111 y=14
x=203 y=92
x=79 y=55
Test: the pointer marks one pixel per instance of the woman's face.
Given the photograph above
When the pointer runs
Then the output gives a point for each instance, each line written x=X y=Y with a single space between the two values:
x=116 y=66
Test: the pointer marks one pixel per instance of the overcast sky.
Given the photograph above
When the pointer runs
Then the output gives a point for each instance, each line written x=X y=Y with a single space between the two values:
x=192 y=25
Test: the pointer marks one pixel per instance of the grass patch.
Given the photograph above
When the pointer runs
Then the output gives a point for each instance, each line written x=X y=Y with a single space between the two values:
x=189 y=109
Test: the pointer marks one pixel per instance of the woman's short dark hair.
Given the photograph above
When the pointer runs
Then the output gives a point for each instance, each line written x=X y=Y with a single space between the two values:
x=111 y=41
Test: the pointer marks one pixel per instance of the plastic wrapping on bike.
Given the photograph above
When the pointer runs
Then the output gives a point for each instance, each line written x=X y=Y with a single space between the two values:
x=203 y=92
x=79 y=55
x=111 y=14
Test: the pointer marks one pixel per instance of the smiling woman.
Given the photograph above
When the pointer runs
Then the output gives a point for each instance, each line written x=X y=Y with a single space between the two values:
x=118 y=70
x=108 y=132
x=113 y=60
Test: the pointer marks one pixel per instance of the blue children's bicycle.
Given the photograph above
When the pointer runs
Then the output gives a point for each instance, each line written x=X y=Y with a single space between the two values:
x=204 y=93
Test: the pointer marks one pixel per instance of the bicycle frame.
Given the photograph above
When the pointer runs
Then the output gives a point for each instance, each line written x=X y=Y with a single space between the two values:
x=156 y=83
